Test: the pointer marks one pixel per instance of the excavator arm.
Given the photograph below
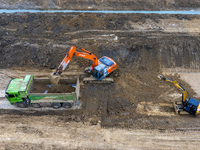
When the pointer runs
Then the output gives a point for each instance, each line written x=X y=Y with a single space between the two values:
x=176 y=84
x=55 y=77
x=65 y=61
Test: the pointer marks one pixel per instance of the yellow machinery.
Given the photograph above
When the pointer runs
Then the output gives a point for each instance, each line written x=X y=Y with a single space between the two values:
x=190 y=105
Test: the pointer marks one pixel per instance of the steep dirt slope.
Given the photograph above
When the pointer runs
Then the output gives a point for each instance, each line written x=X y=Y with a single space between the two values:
x=132 y=40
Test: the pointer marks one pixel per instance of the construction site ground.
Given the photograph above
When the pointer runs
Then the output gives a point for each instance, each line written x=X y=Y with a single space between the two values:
x=105 y=120
x=136 y=112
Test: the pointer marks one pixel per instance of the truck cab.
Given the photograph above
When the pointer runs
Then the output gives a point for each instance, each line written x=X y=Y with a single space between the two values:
x=17 y=89
x=12 y=91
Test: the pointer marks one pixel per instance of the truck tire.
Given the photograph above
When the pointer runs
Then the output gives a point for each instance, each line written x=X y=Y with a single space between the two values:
x=21 y=105
x=35 y=105
x=67 y=105
x=56 y=105
x=27 y=101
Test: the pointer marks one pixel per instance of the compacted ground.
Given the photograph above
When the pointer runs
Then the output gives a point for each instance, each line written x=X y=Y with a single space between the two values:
x=137 y=106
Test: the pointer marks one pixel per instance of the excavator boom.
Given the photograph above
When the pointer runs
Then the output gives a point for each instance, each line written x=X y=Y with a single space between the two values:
x=55 y=77
x=176 y=84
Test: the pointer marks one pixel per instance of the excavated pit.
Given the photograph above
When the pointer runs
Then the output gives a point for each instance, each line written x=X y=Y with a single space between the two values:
x=142 y=46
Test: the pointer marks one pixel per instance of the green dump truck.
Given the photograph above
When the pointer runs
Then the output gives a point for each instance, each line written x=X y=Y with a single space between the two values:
x=39 y=92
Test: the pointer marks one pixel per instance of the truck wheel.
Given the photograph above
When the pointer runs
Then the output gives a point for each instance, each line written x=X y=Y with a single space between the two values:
x=21 y=105
x=85 y=82
x=26 y=101
x=35 y=105
x=56 y=105
x=67 y=105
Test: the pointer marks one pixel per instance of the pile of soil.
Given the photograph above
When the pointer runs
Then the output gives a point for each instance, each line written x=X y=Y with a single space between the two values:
x=41 y=88
x=61 y=89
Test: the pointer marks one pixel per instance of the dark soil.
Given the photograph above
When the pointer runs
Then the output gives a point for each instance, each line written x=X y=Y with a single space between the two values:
x=42 y=40
x=41 y=88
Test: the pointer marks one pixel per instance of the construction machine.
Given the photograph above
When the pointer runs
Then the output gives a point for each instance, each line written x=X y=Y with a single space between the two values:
x=190 y=105
x=100 y=67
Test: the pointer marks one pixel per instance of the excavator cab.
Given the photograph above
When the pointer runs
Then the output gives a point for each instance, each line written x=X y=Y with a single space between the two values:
x=192 y=106
x=100 y=71
x=105 y=67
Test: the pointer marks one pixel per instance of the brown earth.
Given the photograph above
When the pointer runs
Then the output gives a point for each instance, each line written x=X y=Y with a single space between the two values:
x=53 y=132
x=132 y=40
x=42 y=40
x=60 y=88
x=101 y=5
x=142 y=45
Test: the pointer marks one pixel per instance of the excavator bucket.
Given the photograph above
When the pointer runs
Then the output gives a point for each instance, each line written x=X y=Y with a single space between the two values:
x=54 y=79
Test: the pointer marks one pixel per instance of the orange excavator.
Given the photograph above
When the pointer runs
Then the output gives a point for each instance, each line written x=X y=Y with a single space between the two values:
x=100 y=67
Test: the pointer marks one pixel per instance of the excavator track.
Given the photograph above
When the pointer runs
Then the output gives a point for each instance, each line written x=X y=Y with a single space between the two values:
x=178 y=107
x=94 y=80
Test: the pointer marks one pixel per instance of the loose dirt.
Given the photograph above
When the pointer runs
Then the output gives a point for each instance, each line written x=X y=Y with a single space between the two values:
x=42 y=88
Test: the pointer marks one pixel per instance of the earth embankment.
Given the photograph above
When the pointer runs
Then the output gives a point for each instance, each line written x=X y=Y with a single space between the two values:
x=132 y=40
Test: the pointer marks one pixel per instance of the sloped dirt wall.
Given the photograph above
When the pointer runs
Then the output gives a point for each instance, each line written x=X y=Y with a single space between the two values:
x=42 y=40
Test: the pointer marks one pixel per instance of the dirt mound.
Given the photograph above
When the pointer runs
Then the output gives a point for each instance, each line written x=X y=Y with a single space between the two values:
x=61 y=89
x=41 y=88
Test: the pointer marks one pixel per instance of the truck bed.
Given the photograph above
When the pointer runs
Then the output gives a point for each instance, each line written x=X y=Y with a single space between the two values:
x=41 y=90
x=43 y=85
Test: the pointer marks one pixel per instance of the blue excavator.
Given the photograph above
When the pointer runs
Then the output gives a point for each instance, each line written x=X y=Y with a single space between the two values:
x=190 y=105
